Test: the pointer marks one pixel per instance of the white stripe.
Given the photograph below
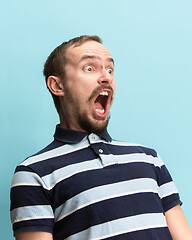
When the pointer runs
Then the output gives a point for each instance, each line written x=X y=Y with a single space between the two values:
x=114 y=142
x=119 y=143
x=105 y=192
x=135 y=158
x=32 y=218
x=121 y=226
x=66 y=149
x=63 y=173
x=31 y=179
x=31 y=212
x=157 y=161
x=24 y=178
x=167 y=189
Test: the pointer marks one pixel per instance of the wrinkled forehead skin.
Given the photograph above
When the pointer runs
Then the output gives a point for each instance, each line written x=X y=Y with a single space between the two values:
x=74 y=53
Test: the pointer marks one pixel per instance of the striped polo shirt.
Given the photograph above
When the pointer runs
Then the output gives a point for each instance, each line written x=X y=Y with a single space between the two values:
x=88 y=186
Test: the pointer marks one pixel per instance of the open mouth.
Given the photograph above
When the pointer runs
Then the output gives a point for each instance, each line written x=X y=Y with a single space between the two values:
x=101 y=103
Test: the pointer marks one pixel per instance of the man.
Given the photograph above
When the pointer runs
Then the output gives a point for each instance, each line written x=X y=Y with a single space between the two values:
x=84 y=185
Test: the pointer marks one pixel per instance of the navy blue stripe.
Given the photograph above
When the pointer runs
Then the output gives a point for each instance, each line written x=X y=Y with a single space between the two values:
x=148 y=234
x=23 y=168
x=120 y=150
x=171 y=201
x=34 y=225
x=114 y=209
x=34 y=195
x=163 y=175
x=94 y=178
x=51 y=146
x=48 y=166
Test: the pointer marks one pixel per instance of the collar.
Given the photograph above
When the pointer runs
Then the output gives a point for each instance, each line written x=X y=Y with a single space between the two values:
x=71 y=136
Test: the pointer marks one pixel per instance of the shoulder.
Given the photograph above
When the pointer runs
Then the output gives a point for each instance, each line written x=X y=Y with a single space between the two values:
x=30 y=171
x=35 y=165
x=43 y=154
x=137 y=151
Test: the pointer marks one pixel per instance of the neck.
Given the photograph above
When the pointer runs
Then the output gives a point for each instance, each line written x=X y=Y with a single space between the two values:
x=65 y=124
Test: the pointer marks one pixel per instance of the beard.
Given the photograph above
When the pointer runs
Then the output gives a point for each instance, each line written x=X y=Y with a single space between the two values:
x=92 y=126
x=86 y=119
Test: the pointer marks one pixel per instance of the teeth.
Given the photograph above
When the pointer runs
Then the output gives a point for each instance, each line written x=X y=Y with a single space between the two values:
x=104 y=93
x=100 y=110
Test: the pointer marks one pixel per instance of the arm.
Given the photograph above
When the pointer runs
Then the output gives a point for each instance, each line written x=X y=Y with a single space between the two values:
x=177 y=224
x=33 y=236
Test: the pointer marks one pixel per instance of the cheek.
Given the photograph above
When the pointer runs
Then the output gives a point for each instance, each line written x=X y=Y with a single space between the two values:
x=114 y=85
x=87 y=86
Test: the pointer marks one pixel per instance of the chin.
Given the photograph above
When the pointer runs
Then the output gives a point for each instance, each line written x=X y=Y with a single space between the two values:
x=94 y=125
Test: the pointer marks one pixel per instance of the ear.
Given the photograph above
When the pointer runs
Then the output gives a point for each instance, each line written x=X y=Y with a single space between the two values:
x=55 y=85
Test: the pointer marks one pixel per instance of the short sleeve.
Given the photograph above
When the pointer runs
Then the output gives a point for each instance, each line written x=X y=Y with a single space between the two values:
x=30 y=203
x=167 y=190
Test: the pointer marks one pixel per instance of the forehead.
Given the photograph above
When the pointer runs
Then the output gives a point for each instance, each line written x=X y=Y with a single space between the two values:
x=90 y=48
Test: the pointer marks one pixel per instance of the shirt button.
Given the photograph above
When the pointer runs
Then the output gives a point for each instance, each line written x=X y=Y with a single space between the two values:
x=101 y=150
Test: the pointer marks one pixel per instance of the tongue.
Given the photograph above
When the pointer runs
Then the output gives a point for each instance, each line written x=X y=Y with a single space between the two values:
x=98 y=105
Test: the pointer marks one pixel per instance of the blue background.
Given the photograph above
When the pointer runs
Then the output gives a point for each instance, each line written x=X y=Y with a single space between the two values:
x=151 y=42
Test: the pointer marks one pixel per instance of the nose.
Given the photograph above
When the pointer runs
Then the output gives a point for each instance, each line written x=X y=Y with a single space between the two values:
x=105 y=77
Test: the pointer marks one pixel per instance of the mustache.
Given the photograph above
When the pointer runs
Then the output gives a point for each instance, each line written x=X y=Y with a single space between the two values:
x=95 y=92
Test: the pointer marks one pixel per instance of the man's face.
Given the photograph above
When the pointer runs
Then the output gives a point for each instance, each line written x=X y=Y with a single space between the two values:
x=89 y=87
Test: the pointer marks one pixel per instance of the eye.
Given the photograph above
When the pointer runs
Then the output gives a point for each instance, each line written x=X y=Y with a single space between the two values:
x=89 y=68
x=110 y=71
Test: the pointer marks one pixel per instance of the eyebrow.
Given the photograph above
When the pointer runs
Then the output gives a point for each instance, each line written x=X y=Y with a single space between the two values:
x=95 y=57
